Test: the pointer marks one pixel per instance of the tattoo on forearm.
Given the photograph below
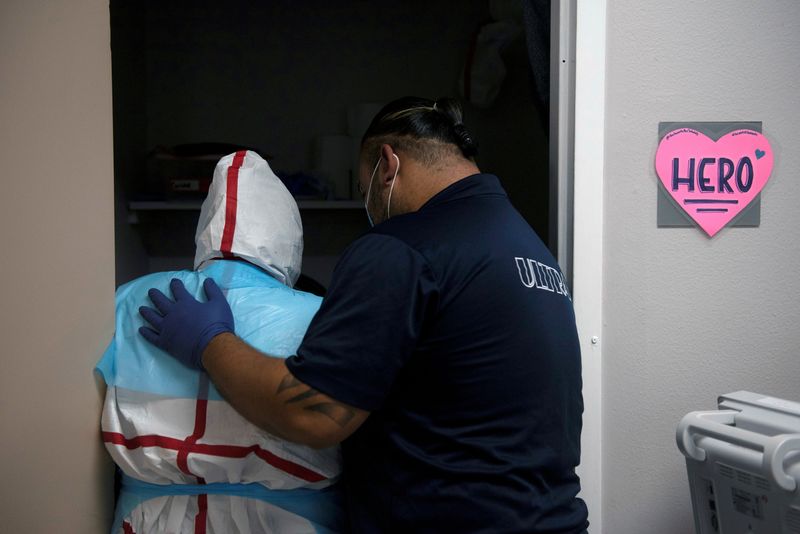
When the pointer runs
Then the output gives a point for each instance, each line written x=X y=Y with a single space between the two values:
x=303 y=396
x=339 y=413
x=288 y=382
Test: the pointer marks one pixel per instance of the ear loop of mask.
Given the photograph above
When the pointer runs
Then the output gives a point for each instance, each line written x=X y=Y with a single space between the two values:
x=391 y=190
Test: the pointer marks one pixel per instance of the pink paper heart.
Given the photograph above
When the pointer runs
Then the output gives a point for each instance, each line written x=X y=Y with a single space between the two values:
x=713 y=181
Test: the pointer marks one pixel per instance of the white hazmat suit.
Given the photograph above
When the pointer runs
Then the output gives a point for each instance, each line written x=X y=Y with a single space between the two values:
x=190 y=462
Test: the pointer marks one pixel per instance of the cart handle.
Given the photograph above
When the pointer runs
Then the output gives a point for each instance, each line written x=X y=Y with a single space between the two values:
x=718 y=425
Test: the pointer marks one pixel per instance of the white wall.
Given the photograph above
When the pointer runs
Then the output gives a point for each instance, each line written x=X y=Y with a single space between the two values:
x=57 y=266
x=687 y=317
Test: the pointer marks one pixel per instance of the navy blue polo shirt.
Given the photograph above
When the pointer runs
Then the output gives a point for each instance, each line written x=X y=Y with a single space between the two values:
x=454 y=327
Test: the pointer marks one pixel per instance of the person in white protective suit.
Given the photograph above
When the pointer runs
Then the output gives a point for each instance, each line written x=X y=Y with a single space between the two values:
x=191 y=463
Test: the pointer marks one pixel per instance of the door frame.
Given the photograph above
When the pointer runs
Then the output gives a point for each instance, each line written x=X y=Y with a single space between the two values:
x=577 y=133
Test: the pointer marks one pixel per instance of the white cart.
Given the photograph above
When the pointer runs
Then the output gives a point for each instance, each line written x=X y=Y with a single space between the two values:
x=744 y=465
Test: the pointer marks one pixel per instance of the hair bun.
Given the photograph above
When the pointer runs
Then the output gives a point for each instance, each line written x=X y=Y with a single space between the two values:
x=419 y=119
x=466 y=143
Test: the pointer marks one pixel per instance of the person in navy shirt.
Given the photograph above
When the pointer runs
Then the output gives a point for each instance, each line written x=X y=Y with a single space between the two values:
x=444 y=356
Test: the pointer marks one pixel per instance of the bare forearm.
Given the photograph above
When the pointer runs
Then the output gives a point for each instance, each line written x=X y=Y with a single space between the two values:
x=263 y=390
x=244 y=376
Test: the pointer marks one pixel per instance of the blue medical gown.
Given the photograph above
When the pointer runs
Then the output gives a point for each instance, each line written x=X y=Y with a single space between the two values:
x=268 y=315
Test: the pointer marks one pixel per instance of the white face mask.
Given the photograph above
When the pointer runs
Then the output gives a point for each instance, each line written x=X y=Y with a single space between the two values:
x=391 y=190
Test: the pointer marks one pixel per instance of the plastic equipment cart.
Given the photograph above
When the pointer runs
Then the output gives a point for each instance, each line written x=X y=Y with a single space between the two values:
x=743 y=462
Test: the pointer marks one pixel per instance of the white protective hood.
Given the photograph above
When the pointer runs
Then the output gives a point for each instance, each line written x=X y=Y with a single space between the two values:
x=249 y=214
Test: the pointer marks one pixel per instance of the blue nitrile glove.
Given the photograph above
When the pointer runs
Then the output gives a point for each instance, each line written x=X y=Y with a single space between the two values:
x=184 y=328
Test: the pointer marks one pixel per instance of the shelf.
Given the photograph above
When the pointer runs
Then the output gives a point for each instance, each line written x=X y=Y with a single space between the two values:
x=190 y=205
x=330 y=204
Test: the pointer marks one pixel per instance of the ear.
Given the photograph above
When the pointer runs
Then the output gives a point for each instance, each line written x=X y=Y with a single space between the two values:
x=390 y=163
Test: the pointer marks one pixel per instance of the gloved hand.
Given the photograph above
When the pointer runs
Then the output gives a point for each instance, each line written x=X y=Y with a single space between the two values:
x=184 y=328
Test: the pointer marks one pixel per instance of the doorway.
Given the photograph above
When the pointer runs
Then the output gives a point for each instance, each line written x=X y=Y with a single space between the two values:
x=289 y=79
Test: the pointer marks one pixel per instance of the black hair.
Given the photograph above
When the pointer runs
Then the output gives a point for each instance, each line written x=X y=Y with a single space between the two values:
x=409 y=121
